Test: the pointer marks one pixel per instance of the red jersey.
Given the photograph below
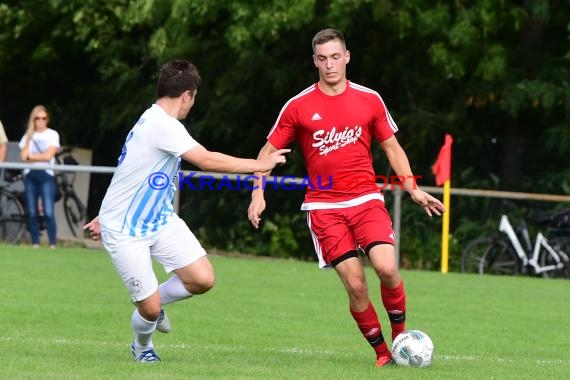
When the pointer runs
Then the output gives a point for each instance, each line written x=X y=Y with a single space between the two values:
x=335 y=135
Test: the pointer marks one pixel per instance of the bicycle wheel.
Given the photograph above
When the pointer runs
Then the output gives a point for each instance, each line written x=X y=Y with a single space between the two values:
x=490 y=255
x=12 y=219
x=74 y=212
x=562 y=247
x=473 y=254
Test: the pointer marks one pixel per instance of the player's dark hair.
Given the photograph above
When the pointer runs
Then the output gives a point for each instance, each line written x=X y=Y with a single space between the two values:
x=327 y=35
x=175 y=77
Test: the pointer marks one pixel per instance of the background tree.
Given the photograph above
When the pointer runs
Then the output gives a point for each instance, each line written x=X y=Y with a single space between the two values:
x=494 y=74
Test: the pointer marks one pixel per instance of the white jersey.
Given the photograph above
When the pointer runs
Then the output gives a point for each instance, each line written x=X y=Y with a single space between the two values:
x=139 y=199
x=40 y=143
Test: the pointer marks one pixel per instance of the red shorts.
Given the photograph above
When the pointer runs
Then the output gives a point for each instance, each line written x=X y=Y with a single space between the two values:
x=338 y=233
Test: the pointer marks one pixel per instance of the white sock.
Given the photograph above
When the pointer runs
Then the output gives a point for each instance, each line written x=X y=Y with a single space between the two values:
x=173 y=290
x=143 y=330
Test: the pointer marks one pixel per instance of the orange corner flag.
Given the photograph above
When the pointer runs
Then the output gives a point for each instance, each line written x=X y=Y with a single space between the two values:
x=442 y=167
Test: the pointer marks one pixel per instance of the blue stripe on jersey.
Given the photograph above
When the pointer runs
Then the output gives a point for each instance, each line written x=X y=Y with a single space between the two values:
x=153 y=211
x=143 y=202
x=164 y=209
x=128 y=208
x=165 y=212
x=167 y=208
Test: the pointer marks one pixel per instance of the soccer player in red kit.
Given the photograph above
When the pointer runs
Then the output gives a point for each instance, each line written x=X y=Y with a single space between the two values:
x=334 y=122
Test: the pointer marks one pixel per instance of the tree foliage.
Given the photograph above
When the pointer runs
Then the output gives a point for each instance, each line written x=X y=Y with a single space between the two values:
x=494 y=74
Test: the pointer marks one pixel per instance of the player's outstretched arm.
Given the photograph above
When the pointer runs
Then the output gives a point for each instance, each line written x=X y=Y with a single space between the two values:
x=94 y=228
x=219 y=162
x=401 y=165
x=257 y=204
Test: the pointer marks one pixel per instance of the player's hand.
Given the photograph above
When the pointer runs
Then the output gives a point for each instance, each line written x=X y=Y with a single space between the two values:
x=94 y=228
x=256 y=208
x=429 y=203
x=276 y=158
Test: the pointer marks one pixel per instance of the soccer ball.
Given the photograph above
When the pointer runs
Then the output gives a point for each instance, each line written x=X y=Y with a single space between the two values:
x=413 y=348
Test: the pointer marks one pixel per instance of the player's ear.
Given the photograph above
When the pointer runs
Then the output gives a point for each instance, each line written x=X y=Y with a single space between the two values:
x=315 y=61
x=346 y=56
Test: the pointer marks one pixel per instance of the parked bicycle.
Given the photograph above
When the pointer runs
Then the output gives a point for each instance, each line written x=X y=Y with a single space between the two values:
x=73 y=208
x=509 y=251
x=12 y=214
x=12 y=207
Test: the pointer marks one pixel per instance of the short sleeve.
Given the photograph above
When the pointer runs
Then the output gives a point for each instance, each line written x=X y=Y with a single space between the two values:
x=175 y=139
x=384 y=126
x=284 y=130
x=53 y=139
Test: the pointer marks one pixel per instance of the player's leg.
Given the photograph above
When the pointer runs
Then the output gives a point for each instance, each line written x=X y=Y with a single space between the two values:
x=362 y=310
x=383 y=260
x=131 y=258
x=197 y=277
x=183 y=284
x=144 y=321
x=373 y=230
x=178 y=250
x=335 y=247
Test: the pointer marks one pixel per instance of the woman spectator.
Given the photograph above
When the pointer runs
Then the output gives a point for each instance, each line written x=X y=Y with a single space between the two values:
x=39 y=146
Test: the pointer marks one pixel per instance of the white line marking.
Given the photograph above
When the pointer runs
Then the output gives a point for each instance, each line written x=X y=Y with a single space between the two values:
x=291 y=350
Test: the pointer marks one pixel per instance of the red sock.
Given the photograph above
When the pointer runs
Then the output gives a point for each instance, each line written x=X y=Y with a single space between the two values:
x=369 y=326
x=394 y=301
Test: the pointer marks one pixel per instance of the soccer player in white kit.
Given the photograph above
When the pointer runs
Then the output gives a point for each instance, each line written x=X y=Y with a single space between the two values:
x=137 y=221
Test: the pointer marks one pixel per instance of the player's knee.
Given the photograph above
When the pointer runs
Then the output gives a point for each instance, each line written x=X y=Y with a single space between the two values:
x=207 y=282
x=391 y=277
x=150 y=312
x=200 y=284
x=388 y=272
x=385 y=266
x=357 y=288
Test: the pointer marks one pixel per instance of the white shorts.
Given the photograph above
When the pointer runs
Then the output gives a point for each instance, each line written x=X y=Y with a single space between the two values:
x=175 y=246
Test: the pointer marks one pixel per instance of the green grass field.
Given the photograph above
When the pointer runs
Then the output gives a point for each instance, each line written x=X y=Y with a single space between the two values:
x=66 y=315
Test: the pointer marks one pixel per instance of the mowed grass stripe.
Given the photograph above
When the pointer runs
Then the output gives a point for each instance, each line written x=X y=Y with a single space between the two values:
x=67 y=315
